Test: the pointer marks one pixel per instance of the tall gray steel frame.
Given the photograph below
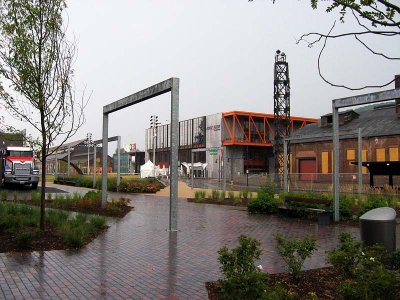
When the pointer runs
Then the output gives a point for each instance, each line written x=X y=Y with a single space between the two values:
x=281 y=109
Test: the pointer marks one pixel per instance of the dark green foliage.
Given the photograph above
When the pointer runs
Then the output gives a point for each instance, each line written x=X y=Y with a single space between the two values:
x=366 y=267
x=23 y=220
x=24 y=239
x=137 y=185
x=242 y=279
x=295 y=252
x=265 y=202
x=346 y=256
x=372 y=281
x=97 y=222
x=394 y=260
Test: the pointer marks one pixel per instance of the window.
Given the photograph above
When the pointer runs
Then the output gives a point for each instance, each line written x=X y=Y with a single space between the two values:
x=393 y=154
x=380 y=154
x=364 y=158
x=351 y=154
x=324 y=162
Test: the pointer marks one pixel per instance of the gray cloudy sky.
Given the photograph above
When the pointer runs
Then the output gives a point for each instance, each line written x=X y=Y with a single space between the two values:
x=222 y=51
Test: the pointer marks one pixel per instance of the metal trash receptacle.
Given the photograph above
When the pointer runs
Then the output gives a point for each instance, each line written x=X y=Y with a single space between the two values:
x=378 y=226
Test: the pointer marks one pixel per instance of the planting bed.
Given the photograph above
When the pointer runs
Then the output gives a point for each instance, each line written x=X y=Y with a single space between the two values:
x=322 y=282
x=49 y=240
x=226 y=201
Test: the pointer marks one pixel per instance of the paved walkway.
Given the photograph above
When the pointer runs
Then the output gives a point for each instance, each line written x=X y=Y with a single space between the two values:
x=137 y=258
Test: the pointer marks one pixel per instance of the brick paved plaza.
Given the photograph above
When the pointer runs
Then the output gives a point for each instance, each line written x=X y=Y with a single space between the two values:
x=137 y=258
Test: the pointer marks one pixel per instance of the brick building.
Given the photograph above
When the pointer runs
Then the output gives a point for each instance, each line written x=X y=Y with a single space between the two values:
x=312 y=151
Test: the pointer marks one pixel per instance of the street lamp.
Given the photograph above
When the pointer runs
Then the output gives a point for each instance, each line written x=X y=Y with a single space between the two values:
x=88 y=144
x=153 y=125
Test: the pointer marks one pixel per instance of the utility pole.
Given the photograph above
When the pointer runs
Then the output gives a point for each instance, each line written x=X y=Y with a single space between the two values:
x=153 y=125
x=88 y=143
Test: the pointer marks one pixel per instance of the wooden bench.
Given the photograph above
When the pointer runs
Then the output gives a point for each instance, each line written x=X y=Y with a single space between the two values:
x=324 y=214
x=65 y=182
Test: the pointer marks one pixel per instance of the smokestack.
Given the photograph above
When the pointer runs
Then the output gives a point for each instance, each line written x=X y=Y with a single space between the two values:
x=397 y=86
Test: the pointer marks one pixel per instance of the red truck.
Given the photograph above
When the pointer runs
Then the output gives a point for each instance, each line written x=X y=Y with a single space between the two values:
x=18 y=166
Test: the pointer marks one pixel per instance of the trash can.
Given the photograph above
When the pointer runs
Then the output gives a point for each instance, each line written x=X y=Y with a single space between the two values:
x=378 y=226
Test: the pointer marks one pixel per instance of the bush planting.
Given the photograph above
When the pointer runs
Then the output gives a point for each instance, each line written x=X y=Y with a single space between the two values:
x=295 y=252
x=265 y=202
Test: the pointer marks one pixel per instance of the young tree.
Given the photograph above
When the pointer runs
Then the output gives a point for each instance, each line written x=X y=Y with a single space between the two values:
x=36 y=74
x=374 y=18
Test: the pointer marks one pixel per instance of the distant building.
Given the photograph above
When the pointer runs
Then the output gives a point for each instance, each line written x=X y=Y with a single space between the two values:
x=312 y=151
x=244 y=138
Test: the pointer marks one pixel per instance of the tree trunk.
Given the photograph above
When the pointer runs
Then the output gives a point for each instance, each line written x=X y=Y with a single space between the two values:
x=43 y=189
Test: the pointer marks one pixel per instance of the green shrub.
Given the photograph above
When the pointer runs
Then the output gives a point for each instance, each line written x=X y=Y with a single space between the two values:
x=215 y=194
x=197 y=195
x=346 y=256
x=97 y=221
x=222 y=195
x=237 y=201
x=74 y=236
x=24 y=239
x=56 y=217
x=241 y=278
x=15 y=196
x=245 y=194
x=295 y=252
x=50 y=196
x=265 y=201
x=372 y=281
x=394 y=260
x=3 y=195
x=231 y=195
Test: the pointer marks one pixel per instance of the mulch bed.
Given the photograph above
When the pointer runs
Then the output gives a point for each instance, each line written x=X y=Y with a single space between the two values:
x=94 y=210
x=226 y=201
x=49 y=240
x=323 y=282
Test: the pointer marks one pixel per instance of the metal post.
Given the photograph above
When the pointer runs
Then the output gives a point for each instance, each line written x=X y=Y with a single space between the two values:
x=360 y=179
x=94 y=165
x=191 y=169
x=104 y=161
x=69 y=159
x=154 y=148
x=56 y=168
x=118 y=162
x=88 y=160
x=336 y=187
x=285 y=166
x=224 y=164
x=173 y=204
x=247 y=178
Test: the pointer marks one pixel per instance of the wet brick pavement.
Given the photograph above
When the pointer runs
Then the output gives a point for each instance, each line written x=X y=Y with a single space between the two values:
x=137 y=258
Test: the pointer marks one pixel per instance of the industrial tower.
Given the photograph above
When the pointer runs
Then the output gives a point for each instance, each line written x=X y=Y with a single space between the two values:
x=281 y=108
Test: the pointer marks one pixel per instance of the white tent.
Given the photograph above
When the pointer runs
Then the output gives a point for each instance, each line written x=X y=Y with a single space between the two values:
x=148 y=169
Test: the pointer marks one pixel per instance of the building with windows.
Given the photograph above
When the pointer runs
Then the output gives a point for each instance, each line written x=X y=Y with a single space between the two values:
x=227 y=143
x=312 y=150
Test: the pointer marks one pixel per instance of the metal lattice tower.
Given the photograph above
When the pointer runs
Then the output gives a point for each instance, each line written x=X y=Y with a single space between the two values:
x=281 y=108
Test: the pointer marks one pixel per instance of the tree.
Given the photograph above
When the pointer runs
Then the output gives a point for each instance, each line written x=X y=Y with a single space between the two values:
x=36 y=74
x=374 y=18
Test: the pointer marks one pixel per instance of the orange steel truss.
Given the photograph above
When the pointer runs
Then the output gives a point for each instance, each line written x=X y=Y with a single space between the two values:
x=241 y=128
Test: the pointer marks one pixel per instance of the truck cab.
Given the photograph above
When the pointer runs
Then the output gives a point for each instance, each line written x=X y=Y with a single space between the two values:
x=19 y=167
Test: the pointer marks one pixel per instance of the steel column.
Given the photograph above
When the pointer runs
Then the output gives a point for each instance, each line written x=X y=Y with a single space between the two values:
x=104 y=160
x=94 y=165
x=191 y=169
x=118 y=162
x=173 y=207
x=336 y=187
x=360 y=179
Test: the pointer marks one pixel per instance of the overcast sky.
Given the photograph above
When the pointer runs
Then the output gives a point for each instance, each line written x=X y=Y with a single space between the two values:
x=222 y=51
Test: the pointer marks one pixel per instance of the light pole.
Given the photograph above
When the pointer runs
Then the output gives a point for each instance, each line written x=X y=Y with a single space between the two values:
x=88 y=143
x=153 y=125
